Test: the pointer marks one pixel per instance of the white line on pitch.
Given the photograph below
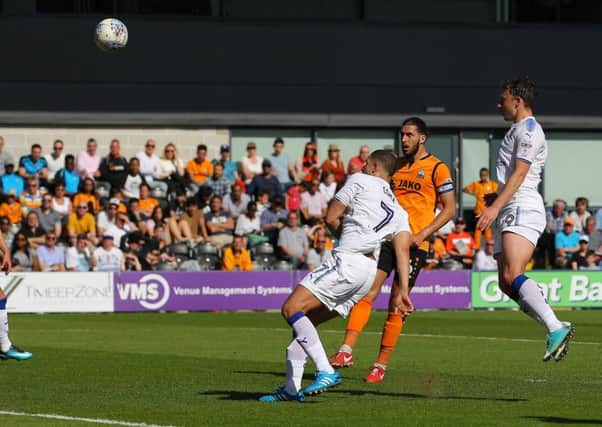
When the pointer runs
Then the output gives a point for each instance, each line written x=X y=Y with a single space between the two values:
x=85 y=420
x=463 y=337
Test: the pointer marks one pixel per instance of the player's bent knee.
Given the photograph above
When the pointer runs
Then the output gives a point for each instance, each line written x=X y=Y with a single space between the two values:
x=288 y=309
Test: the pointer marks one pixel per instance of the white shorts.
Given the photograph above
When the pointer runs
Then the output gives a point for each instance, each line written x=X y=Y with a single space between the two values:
x=524 y=215
x=341 y=280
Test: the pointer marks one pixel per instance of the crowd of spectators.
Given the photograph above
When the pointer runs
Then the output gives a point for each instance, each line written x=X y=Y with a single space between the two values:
x=91 y=211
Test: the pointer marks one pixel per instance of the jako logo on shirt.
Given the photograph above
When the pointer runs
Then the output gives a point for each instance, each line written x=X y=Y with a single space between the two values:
x=151 y=291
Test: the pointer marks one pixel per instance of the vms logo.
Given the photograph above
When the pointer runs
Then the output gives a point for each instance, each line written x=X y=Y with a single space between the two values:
x=151 y=291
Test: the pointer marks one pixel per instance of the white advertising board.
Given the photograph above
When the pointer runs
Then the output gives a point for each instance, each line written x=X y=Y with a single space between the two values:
x=69 y=292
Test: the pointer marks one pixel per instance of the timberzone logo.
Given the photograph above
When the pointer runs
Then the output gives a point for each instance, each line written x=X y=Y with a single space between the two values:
x=12 y=285
x=151 y=291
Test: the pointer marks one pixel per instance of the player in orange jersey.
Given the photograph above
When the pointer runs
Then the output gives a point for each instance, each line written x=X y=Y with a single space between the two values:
x=481 y=188
x=420 y=178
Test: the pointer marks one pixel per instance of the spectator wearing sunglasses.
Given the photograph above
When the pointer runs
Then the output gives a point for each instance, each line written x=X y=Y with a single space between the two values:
x=49 y=257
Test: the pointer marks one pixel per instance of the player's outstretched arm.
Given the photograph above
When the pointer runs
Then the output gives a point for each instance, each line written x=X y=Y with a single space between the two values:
x=401 y=243
x=489 y=214
x=335 y=212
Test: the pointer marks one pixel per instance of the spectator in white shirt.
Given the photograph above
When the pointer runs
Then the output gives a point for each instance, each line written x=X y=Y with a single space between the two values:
x=483 y=260
x=328 y=186
x=150 y=166
x=79 y=256
x=56 y=159
x=248 y=222
x=251 y=163
x=313 y=204
x=107 y=216
x=107 y=257
x=173 y=171
x=581 y=213
x=131 y=188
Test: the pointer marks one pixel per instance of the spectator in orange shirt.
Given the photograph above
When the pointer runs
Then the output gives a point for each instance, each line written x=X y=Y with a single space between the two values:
x=12 y=209
x=460 y=244
x=146 y=202
x=200 y=168
x=307 y=166
x=480 y=189
x=335 y=165
x=87 y=194
x=236 y=257
x=437 y=253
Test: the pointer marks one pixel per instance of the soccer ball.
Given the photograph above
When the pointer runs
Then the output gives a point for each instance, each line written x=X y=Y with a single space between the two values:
x=111 y=34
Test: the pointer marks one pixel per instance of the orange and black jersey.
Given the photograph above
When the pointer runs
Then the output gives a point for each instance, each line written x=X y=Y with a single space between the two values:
x=417 y=185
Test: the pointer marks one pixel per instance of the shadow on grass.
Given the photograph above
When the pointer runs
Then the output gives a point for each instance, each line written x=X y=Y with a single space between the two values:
x=238 y=395
x=246 y=395
x=306 y=376
x=425 y=396
x=562 y=420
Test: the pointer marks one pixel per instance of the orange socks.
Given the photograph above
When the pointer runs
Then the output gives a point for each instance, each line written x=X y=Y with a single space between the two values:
x=357 y=321
x=391 y=332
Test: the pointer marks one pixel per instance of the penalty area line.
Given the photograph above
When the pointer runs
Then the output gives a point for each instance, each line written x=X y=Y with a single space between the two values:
x=81 y=419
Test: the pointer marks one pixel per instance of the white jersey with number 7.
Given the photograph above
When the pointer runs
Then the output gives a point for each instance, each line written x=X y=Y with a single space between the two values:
x=373 y=214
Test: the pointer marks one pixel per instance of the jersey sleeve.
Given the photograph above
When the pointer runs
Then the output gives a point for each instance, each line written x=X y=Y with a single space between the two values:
x=529 y=141
x=442 y=179
x=351 y=188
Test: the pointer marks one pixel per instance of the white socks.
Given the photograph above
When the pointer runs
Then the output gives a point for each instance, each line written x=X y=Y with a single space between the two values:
x=533 y=303
x=307 y=337
x=295 y=366
x=5 y=343
x=346 y=349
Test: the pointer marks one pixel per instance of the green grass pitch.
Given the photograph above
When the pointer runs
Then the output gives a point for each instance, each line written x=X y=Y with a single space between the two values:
x=195 y=369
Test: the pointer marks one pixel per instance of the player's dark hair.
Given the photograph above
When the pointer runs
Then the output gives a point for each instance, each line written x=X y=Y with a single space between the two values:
x=483 y=170
x=418 y=122
x=386 y=159
x=582 y=200
x=522 y=87
x=201 y=147
x=36 y=146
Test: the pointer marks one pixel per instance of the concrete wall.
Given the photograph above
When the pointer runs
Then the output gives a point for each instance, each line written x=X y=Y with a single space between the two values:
x=18 y=140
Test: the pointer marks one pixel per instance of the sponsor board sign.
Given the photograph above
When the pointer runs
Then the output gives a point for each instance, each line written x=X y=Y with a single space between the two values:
x=434 y=289
x=204 y=291
x=561 y=289
x=58 y=292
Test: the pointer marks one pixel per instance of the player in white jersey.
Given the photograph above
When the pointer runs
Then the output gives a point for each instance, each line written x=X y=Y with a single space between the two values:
x=520 y=213
x=7 y=349
x=370 y=215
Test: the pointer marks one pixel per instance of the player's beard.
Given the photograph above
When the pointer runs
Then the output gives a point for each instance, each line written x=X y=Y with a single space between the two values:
x=411 y=154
